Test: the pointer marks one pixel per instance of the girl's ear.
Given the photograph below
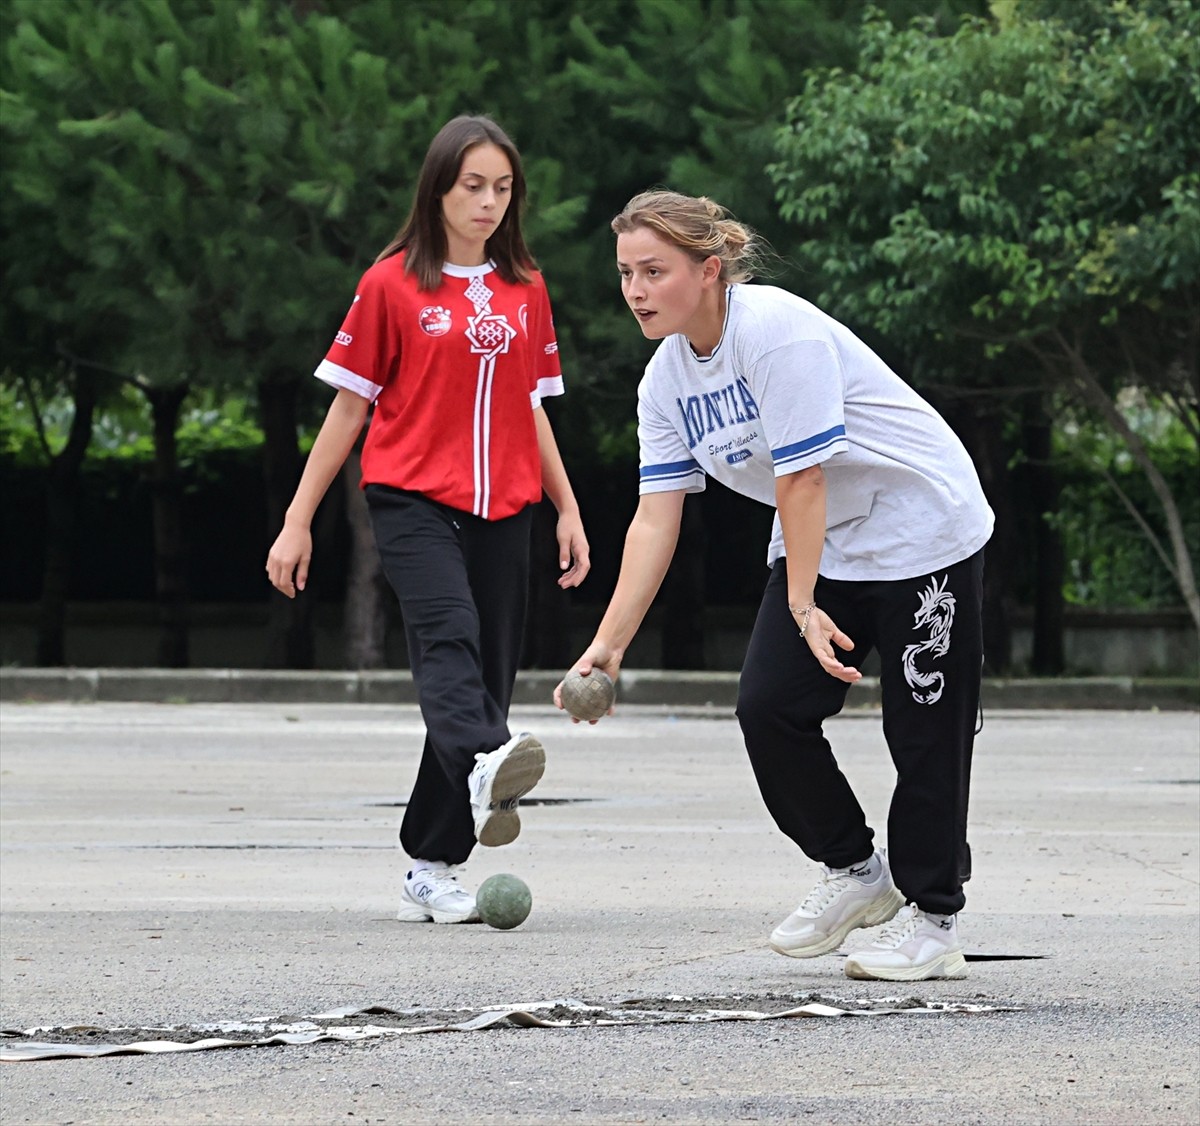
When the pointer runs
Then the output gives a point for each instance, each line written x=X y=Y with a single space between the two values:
x=711 y=269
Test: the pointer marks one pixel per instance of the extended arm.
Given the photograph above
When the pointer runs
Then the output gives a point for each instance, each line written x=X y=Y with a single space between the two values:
x=290 y=555
x=573 y=555
x=649 y=547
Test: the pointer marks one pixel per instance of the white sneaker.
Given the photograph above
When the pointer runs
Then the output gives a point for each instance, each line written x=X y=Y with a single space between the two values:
x=840 y=902
x=496 y=784
x=433 y=895
x=913 y=947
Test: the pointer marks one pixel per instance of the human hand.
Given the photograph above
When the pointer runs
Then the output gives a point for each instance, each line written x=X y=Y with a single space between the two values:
x=595 y=656
x=288 y=560
x=822 y=634
x=573 y=552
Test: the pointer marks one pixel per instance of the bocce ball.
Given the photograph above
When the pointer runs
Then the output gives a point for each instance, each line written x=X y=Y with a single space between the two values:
x=588 y=697
x=503 y=901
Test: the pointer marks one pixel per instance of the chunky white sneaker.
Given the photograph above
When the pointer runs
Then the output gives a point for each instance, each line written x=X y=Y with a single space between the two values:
x=840 y=902
x=496 y=784
x=912 y=947
x=433 y=895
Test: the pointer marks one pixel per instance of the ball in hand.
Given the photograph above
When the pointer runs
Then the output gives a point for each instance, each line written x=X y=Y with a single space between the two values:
x=503 y=901
x=588 y=697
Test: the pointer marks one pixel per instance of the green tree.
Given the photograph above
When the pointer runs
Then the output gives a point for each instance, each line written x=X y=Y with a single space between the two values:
x=1019 y=203
x=209 y=177
x=41 y=321
x=606 y=99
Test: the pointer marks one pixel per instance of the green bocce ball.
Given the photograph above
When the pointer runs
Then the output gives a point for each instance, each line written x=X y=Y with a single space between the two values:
x=504 y=901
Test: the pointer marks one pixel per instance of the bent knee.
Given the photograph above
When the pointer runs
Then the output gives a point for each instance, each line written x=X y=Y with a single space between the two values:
x=765 y=706
x=761 y=705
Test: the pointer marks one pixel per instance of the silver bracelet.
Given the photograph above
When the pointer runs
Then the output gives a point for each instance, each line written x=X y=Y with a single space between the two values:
x=806 y=611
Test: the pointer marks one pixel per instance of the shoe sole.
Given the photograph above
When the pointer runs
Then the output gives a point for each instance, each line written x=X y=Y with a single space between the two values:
x=415 y=914
x=952 y=965
x=520 y=771
x=872 y=914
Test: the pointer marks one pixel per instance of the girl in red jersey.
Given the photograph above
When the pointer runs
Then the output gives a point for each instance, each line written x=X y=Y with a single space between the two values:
x=450 y=336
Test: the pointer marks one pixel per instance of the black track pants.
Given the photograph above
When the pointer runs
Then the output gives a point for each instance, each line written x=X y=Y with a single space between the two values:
x=462 y=584
x=929 y=636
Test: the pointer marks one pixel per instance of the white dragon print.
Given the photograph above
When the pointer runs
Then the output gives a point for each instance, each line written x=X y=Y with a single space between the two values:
x=937 y=612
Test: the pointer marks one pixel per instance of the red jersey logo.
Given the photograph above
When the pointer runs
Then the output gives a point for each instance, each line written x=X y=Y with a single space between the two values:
x=434 y=320
x=489 y=334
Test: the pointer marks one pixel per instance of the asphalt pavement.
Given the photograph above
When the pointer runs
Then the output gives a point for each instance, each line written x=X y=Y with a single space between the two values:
x=171 y=870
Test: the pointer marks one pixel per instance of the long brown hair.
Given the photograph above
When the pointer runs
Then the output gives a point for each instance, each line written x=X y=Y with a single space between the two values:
x=423 y=234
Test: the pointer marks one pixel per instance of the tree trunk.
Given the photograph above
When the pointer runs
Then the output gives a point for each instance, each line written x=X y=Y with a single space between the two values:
x=1093 y=395
x=1045 y=492
x=683 y=595
x=364 y=619
x=170 y=577
x=547 y=632
x=289 y=642
x=62 y=487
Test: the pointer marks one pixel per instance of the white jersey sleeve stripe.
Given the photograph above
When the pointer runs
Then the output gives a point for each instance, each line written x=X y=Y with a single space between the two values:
x=546 y=387
x=338 y=376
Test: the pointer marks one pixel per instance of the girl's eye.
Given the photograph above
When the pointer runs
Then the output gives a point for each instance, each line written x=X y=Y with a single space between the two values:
x=652 y=272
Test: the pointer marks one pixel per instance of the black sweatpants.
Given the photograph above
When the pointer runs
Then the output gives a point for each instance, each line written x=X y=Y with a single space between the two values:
x=929 y=636
x=462 y=582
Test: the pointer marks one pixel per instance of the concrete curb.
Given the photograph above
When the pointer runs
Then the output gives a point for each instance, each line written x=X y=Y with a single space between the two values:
x=637 y=686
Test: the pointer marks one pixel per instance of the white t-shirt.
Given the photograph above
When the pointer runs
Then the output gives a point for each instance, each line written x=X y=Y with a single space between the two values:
x=789 y=387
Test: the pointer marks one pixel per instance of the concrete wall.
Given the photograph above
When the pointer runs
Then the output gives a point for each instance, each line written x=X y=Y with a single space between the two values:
x=124 y=635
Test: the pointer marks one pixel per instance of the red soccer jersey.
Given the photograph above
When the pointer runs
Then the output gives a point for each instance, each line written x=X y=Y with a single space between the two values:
x=454 y=374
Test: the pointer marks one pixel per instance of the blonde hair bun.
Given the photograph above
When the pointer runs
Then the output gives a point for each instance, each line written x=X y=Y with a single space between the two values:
x=698 y=225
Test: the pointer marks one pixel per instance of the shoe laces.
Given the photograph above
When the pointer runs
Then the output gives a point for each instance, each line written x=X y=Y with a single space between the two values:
x=902 y=927
x=443 y=879
x=824 y=892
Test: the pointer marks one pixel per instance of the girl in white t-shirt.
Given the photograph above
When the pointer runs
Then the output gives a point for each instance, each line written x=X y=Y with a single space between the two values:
x=877 y=544
x=450 y=336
